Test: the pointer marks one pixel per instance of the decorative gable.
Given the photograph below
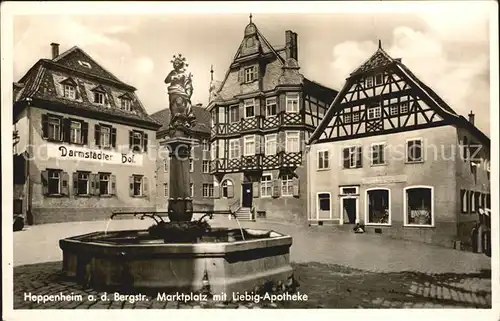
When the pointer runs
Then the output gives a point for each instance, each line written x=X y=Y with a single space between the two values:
x=382 y=97
x=69 y=81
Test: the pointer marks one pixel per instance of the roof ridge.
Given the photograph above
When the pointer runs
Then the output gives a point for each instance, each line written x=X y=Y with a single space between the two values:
x=379 y=50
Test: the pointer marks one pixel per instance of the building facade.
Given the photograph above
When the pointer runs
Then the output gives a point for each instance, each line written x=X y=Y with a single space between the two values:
x=202 y=183
x=392 y=155
x=262 y=113
x=84 y=146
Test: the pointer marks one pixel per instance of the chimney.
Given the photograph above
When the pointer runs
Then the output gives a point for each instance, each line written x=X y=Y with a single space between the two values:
x=291 y=48
x=471 y=117
x=55 y=50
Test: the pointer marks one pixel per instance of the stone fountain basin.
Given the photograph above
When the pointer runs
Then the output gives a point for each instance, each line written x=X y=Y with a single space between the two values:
x=130 y=262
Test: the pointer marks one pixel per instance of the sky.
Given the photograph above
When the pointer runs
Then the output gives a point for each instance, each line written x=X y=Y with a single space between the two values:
x=446 y=47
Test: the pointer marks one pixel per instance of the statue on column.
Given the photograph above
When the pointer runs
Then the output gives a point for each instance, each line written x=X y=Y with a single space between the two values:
x=180 y=90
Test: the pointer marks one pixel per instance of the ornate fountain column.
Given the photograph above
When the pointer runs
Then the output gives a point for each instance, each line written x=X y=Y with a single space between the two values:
x=182 y=120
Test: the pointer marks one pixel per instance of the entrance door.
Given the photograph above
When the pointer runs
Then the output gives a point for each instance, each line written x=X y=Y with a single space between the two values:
x=246 y=194
x=349 y=210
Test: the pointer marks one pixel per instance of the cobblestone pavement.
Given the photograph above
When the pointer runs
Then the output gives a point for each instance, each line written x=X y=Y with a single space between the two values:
x=336 y=269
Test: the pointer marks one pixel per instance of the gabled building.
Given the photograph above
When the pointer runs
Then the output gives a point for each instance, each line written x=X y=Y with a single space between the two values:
x=392 y=155
x=85 y=141
x=202 y=183
x=262 y=113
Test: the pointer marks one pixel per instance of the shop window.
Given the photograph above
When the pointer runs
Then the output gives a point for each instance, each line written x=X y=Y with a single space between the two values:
x=208 y=190
x=414 y=151
x=323 y=159
x=419 y=206
x=378 y=208
x=266 y=185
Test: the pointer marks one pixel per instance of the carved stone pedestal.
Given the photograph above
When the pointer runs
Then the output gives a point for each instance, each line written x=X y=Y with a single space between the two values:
x=180 y=203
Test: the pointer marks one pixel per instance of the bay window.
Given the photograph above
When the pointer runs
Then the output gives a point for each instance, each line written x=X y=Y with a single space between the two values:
x=270 y=144
x=249 y=148
x=234 y=148
x=292 y=103
x=292 y=142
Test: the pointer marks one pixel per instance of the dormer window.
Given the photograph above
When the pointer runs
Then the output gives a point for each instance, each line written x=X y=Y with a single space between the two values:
x=98 y=98
x=125 y=104
x=69 y=91
x=248 y=74
x=84 y=64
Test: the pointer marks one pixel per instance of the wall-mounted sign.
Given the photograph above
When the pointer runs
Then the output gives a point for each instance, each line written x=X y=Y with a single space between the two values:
x=384 y=179
x=76 y=153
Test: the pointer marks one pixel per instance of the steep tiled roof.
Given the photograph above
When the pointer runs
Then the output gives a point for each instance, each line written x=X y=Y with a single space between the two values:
x=378 y=59
x=44 y=81
x=202 y=119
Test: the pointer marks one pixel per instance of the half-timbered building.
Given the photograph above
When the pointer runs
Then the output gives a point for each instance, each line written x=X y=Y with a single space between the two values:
x=392 y=155
x=262 y=112
x=85 y=145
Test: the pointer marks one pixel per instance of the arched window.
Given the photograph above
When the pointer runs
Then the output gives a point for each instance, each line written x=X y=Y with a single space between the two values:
x=419 y=205
x=227 y=188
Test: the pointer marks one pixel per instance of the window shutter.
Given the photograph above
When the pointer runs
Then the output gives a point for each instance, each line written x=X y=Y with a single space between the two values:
x=130 y=139
x=45 y=182
x=296 y=190
x=359 y=161
x=64 y=183
x=145 y=186
x=97 y=183
x=77 y=92
x=106 y=100
x=241 y=75
x=256 y=189
x=75 y=183
x=85 y=133
x=113 y=137
x=131 y=185
x=113 y=184
x=145 y=142
x=66 y=130
x=346 y=157
x=97 y=134
x=256 y=72
x=45 y=126
x=276 y=188
x=217 y=191
x=230 y=191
